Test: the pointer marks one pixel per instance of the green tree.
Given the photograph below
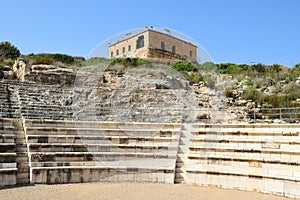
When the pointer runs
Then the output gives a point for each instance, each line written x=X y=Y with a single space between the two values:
x=8 y=51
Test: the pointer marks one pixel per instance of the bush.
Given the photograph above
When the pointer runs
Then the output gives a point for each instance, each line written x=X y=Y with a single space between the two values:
x=231 y=68
x=229 y=93
x=209 y=80
x=61 y=60
x=184 y=66
x=251 y=94
x=44 y=59
x=8 y=51
x=259 y=68
x=195 y=78
x=128 y=62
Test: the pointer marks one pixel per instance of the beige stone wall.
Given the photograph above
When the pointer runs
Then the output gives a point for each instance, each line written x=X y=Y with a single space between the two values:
x=182 y=48
x=152 y=40
x=125 y=51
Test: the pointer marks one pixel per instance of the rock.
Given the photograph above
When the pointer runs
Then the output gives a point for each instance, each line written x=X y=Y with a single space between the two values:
x=283 y=82
x=5 y=72
x=242 y=102
x=203 y=116
x=18 y=70
x=277 y=121
x=43 y=67
x=162 y=86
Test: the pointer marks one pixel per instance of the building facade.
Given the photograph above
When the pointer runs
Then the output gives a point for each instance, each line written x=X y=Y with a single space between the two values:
x=153 y=44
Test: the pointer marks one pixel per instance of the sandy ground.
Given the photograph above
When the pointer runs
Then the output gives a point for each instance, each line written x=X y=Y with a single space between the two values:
x=128 y=191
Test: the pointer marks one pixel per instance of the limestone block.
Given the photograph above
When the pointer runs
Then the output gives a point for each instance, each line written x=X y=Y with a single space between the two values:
x=281 y=173
x=169 y=178
x=291 y=189
x=285 y=157
x=275 y=156
x=9 y=179
x=295 y=158
x=216 y=180
x=274 y=186
x=252 y=184
x=94 y=175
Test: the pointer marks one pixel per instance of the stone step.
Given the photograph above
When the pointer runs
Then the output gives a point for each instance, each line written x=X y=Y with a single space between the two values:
x=23 y=169
x=179 y=180
x=22 y=154
x=23 y=175
x=20 y=140
x=180 y=175
x=22 y=159
x=23 y=180
x=21 y=150
x=180 y=170
x=21 y=145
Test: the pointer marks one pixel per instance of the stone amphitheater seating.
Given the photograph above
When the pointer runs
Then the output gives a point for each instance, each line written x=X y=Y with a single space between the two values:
x=263 y=158
x=8 y=165
x=66 y=152
x=42 y=140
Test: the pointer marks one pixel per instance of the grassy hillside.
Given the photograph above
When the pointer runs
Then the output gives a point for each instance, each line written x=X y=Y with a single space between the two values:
x=268 y=86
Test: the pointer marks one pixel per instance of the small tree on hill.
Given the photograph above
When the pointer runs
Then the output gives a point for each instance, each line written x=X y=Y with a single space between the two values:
x=8 y=51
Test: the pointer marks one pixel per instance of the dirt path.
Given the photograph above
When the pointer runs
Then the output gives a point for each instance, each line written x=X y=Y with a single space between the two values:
x=127 y=191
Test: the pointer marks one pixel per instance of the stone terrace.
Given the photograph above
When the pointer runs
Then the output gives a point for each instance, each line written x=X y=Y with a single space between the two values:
x=67 y=152
x=259 y=157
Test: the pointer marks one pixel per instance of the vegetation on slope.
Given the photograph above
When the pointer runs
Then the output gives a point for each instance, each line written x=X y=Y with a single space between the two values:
x=268 y=86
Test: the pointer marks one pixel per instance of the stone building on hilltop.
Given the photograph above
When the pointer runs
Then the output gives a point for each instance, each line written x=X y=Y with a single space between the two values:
x=152 y=43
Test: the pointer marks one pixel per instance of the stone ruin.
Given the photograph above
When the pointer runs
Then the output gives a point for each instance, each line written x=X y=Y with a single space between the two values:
x=79 y=131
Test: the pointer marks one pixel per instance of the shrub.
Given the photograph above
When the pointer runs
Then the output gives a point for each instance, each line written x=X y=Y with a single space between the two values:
x=251 y=94
x=8 y=51
x=209 y=80
x=44 y=59
x=229 y=93
x=61 y=60
x=195 y=78
x=184 y=66
x=128 y=62
x=259 y=68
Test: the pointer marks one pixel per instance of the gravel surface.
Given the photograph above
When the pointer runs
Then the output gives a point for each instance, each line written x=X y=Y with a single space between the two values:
x=128 y=191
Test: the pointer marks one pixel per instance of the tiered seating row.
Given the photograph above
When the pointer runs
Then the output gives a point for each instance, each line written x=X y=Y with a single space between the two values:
x=8 y=165
x=263 y=158
x=65 y=151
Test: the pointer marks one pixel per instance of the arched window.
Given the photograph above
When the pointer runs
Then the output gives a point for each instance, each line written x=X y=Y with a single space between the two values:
x=111 y=54
x=174 y=49
x=123 y=50
x=117 y=53
x=163 y=46
x=191 y=53
x=140 y=42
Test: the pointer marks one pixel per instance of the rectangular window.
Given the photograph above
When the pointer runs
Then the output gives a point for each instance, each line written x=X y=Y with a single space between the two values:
x=123 y=49
x=117 y=53
x=129 y=47
x=191 y=53
x=163 y=46
x=174 y=49
x=111 y=54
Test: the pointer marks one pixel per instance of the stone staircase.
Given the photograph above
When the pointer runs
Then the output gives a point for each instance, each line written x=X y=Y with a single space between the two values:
x=181 y=162
x=9 y=100
x=8 y=165
x=22 y=153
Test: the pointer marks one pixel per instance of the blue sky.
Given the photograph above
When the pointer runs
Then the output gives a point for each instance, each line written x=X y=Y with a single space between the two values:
x=239 y=31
